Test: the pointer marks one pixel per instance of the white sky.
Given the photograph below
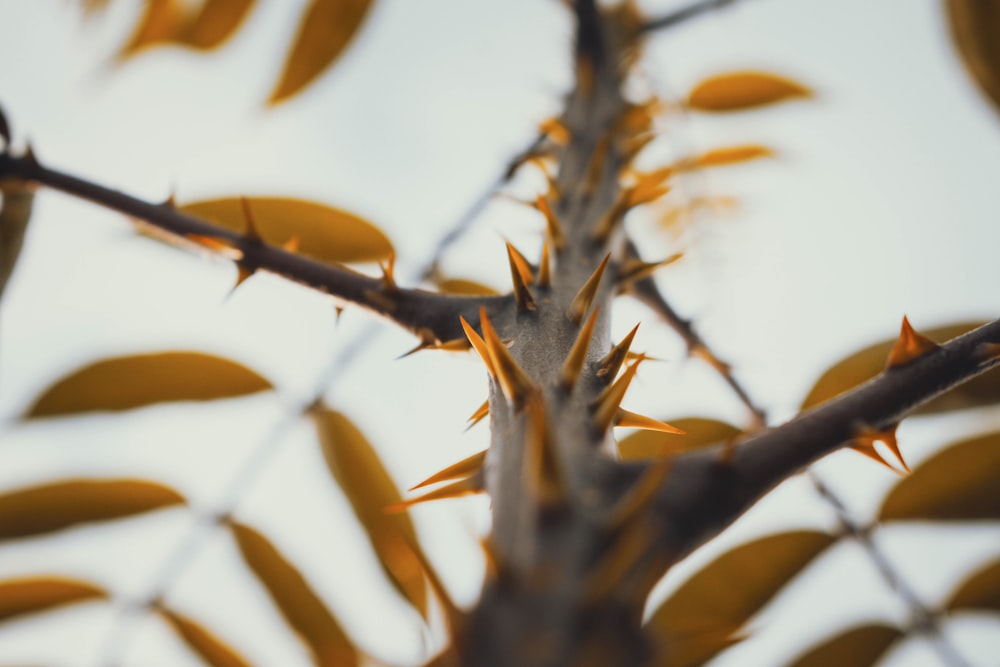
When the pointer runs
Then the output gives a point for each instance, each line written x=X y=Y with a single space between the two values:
x=883 y=201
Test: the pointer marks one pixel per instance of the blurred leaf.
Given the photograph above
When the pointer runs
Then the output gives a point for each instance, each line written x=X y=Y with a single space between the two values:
x=300 y=606
x=726 y=593
x=123 y=383
x=698 y=432
x=15 y=212
x=202 y=27
x=696 y=650
x=366 y=483
x=35 y=594
x=981 y=591
x=325 y=30
x=975 y=27
x=743 y=90
x=211 y=649
x=958 y=483
x=870 y=361
x=722 y=157
x=49 y=507
x=464 y=287
x=322 y=232
x=858 y=647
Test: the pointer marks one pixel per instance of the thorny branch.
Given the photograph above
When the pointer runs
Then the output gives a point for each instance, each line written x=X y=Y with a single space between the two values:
x=433 y=317
x=681 y=15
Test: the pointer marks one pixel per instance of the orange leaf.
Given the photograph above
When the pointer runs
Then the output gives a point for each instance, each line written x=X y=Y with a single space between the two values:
x=981 y=591
x=722 y=157
x=727 y=592
x=124 y=383
x=15 y=211
x=464 y=287
x=300 y=606
x=975 y=25
x=959 y=483
x=698 y=432
x=35 y=594
x=858 y=647
x=366 y=483
x=870 y=361
x=50 y=507
x=211 y=649
x=743 y=90
x=324 y=32
x=323 y=232
x=177 y=22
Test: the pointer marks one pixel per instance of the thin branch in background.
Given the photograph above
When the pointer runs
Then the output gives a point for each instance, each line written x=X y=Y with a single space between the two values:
x=684 y=14
x=923 y=619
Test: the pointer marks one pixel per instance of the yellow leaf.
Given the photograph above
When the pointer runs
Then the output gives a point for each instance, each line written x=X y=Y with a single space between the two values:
x=212 y=650
x=959 y=483
x=743 y=90
x=464 y=287
x=975 y=25
x=203 y=26
x=858 y=647
x=979 y=592
x=726 y=593
x=15 y=210
x=300 y=606
x=123 y=383
x=696 y=650
x=366 y=483
x=50 y=507
x=322 y=232
x=31 y=595
x=870 y=361
x=326 y=29
x=698 y=432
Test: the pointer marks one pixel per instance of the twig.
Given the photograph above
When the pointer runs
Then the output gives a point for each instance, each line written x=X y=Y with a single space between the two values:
x=681 y=15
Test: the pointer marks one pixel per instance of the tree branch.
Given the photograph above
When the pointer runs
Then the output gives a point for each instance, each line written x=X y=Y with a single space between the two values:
x=707 y=490
x=427 y=314
x=681 y=15
x=647 y=292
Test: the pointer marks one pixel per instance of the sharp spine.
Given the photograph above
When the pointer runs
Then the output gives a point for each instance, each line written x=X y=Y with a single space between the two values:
x=581 y=302
x=573 y=366
x=612 y=362
x=525 y=301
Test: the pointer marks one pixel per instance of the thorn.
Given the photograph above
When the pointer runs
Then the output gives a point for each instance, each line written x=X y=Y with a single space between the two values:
x=610 y=220
x=542 y=162
x=291 y=245
x=612 y=362
x=338 y=311
x=987 y=352
x=634 y=269
x=597 y=160
x=638 y=195
x=479 y=414
x=554 y=129
x=573 y=366
x=463 y=487
x=388 y=271
x=252 y=233
x=634 y=145
x=216 y=245
x=521 y=264
x=545 y=267
x=463 y=468
x=427 y=339
x=525 y=301
x=909 y=346
x=552 y=226
x=170 y=202
x=639 y=494
x=627 y=419
x=607 y=404
x=864 y=442
x=514 y=382
x=243 y=273
x=29 y=154
x=479 y=345
x=540 y=467
x=454 y=345
x=581 y=302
